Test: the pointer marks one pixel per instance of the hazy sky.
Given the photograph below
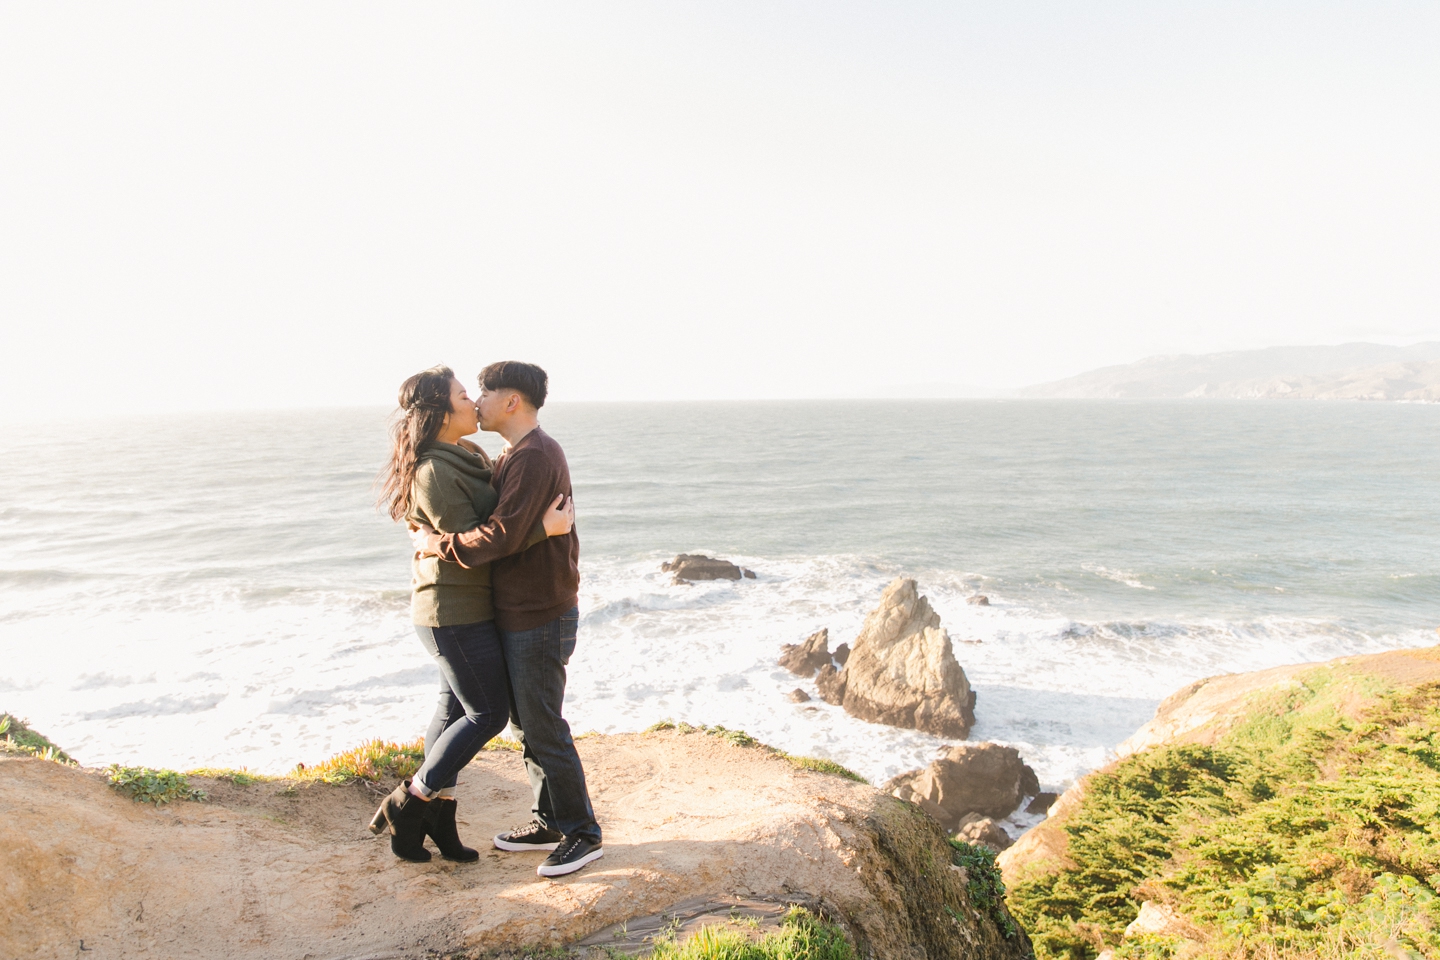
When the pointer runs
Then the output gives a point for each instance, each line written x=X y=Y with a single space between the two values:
x=282 y=204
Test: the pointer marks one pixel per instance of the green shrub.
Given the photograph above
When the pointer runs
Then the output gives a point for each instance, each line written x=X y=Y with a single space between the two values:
x=152 y=786
x=17 y=737
x=984 y=883
x=1301 y=831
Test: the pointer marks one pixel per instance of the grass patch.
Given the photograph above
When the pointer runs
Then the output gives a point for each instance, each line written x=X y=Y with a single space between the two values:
x=802 y=936
x=241 y=778
x=16 y=737
x=821 y=765
x=376 y=761
x=739 y=738
x=1303 y=832
x=505 y=743
x=145 y=785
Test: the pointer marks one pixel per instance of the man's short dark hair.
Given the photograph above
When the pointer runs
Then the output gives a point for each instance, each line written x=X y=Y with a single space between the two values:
x=525 y=379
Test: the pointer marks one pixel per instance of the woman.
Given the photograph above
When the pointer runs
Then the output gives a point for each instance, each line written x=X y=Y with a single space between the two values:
x=440 y=480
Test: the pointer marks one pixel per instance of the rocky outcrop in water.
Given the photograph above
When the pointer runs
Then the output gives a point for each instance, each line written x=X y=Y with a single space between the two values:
x=690 y=567
x=986 y=779
x=902 y=669
x=803 y=659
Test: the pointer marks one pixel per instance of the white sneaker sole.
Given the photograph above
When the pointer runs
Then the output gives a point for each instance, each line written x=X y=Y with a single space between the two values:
x=560 y=869
x=502 y=844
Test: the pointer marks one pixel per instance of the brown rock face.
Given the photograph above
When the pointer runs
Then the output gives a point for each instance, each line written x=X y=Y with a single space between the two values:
x=831 y=683
x=983 y=832
x=902 y=670
x=842 y=653
x=798 y=696
x=689 y=567
x=803 y=659
x=972 y=778
x=979 y=600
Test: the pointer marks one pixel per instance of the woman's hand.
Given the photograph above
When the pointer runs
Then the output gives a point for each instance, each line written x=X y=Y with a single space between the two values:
x=559 y=520
x=423 y=538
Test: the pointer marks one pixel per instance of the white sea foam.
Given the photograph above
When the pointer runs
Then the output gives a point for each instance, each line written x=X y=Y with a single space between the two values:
x=268 y=683
x=250 y=610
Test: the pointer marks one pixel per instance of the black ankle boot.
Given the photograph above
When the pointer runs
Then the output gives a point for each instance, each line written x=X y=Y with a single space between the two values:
x=440 y=824
x=405 y=816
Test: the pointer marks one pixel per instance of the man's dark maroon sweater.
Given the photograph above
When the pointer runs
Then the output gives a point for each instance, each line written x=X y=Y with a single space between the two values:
x=531 y=587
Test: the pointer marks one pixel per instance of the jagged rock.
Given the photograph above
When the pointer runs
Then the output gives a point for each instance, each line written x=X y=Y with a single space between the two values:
x=1042 y=802
x=689 y=567
x=831 y=684
x=981 y=778
x=984 y=832
x=979 y=600
x=803 y=659
x=902 y=669
x=842 y=653
x=798 y=696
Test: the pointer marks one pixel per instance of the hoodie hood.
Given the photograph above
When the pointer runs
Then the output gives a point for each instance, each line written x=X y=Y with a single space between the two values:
x=468 y=463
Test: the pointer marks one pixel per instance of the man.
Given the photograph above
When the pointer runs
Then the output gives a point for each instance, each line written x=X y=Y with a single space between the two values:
x=535 y=595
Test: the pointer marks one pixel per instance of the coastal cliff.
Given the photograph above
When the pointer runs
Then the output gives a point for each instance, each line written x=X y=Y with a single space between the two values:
x=1288 y=812
x=278 y=869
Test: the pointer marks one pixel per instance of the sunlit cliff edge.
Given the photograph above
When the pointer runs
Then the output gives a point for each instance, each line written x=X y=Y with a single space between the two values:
x=279 y=869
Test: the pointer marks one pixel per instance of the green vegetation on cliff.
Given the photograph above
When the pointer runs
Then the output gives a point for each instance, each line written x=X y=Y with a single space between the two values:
x=17 y=737
x=1311 y=828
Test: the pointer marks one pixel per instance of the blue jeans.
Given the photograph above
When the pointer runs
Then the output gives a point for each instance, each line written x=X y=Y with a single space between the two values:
x=474 y=698
x=537 y=659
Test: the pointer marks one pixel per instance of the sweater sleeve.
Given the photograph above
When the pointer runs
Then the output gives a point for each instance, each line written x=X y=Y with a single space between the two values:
x=531 y=482
x=447 y=504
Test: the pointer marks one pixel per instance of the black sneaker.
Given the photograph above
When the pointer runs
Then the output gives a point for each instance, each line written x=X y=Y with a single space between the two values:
x=533 y=836
x=570 y=856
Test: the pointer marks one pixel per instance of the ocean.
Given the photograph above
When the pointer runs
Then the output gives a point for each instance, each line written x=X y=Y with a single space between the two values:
x=219 y=589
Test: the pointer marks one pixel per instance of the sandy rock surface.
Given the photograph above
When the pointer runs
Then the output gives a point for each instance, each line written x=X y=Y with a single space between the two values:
x=278 y=871
x=902 y=669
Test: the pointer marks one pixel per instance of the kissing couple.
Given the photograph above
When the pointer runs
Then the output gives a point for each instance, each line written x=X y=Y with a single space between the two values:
x=494 y=600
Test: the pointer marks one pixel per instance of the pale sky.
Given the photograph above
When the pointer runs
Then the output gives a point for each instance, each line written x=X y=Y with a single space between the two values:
x=233 y=205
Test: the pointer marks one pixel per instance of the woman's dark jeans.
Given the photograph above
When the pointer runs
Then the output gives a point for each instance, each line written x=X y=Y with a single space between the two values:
x=474 y=698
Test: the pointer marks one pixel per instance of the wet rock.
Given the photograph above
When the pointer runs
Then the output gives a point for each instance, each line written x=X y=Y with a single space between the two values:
x=842 y=653
x=1042 y=802
x=979 y=600
x=902 y=669
x=831 y=684
x=987 y=779
x=803 y=659
x=690 y=567
x=798 y=696
x=983 y=832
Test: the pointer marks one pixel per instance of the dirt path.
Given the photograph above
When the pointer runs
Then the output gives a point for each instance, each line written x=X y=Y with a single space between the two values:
x=262 y=871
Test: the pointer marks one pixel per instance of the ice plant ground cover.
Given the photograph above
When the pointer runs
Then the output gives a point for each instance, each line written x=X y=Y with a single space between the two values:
x=1311 y=828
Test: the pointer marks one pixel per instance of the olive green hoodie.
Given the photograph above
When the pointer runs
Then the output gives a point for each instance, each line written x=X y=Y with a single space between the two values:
x=452 y=494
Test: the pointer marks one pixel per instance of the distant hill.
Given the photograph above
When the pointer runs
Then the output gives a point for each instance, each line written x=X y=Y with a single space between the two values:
x=1350 y=371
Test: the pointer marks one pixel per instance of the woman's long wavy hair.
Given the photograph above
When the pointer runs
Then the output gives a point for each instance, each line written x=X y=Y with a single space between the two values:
x=424 y=403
